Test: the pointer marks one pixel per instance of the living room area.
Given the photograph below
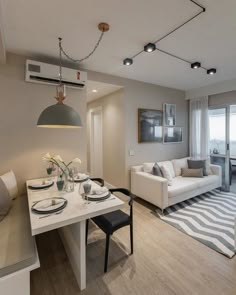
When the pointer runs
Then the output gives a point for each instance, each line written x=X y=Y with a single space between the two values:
x=118 y=155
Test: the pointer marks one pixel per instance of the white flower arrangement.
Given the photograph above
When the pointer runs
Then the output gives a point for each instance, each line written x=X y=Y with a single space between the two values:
x=59 y=162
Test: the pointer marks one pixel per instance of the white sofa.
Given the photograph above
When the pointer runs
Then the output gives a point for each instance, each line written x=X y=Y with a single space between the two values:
x=156 y=190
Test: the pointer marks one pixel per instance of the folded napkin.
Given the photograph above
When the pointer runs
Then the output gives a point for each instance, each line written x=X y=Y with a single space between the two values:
x=81 y=176
x=99 y=190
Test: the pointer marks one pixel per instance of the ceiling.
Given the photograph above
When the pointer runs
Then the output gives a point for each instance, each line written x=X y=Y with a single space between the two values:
x=31 y=27
x=96 y=90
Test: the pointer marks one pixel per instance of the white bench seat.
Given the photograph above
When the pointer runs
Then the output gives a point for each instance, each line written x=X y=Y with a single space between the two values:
x=18 y=252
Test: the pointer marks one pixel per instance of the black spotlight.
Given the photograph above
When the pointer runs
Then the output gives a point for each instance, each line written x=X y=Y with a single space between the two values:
x=128 y=61
x=211 y=71
x=150 y=47
x=195 y=65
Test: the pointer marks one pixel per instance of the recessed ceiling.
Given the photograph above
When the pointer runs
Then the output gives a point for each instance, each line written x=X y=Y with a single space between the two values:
x=102 y=89
x=32 y=28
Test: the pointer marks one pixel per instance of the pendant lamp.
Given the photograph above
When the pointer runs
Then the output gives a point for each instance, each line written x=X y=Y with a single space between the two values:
x=61 y=115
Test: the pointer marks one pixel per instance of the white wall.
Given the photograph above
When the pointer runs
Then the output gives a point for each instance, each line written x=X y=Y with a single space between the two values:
x=143 y=95
x=147 y=96
x=22 y=144
x=113 y=136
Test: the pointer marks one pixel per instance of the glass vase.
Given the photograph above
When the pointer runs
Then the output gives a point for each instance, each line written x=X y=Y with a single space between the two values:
x=69 y=182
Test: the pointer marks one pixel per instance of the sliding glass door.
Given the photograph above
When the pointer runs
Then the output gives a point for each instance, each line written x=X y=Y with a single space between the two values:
x=219 y=141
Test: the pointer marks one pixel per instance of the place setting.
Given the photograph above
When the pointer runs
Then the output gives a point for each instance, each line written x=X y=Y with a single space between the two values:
x=81 y=177
x=95 y=194
x=41 y=185
x=49 y=206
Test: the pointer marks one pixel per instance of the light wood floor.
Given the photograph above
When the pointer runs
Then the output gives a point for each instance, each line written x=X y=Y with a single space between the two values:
x=165 y=262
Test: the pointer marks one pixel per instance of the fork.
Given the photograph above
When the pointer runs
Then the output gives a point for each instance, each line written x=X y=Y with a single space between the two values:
x=39 y=190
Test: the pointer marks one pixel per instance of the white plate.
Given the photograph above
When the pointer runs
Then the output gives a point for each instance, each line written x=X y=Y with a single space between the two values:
x=81 y=176
x=42 y=184
x=95 y=196
x=49 y=204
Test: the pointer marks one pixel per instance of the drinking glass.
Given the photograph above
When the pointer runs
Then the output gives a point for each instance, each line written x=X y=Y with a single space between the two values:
x=87 y=189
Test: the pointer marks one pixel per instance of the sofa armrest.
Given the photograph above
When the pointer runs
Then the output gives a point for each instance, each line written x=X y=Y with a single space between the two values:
x=151 y=188
x=217 y=170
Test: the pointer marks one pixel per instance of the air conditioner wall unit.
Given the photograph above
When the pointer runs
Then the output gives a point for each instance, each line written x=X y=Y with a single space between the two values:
x=43 y=73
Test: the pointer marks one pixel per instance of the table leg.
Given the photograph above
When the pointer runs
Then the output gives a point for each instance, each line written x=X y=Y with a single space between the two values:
x=73 y=238
x=82 y=247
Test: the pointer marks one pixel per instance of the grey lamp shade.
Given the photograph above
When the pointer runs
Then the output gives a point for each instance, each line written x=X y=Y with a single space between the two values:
x=59 y=116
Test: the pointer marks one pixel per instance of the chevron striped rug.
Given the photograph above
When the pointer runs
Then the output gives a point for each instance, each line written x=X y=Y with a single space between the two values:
x=208 y=218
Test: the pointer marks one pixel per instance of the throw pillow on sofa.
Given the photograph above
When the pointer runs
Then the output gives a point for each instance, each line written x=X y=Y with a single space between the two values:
x=156 y=170
x=178 y=164
x=186 y=172
x=197 y=164
x=167 y=174
x=5 y=200
x=147 y=167
x=169 y=166
x=10 y=181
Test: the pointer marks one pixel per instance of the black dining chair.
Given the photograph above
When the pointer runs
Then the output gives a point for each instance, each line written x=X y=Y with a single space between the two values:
x=111 y=222
x=97 y=179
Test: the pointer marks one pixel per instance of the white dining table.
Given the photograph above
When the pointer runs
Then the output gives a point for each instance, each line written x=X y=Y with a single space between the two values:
x=71 y=222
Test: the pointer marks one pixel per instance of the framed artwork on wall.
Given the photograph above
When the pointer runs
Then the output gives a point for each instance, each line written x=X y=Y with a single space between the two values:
x=173 y=134
x=150 y=125
x=169 y=114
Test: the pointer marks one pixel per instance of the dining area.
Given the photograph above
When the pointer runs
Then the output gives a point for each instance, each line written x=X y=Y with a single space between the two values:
x=70 y=207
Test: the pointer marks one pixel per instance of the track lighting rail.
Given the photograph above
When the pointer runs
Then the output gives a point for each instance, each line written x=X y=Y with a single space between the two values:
x=129 y=61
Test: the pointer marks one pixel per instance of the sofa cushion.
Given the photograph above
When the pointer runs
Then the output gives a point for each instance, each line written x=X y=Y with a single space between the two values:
x=5 y=200
x=208 y=180
x=10 y=181
x=181 y=185
x=168 y=165
x=196 y=164
x=156 y=170
x=17 y=246
x=147 y=167
x=166 y=174
x=186 y=172
x=178 y=164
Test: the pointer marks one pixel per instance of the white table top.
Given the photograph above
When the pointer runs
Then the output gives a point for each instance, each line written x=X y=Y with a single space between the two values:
x=75 y=211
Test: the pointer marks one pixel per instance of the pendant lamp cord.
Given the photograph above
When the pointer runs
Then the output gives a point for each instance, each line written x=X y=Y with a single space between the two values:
x=87 y=56
x=60 y=57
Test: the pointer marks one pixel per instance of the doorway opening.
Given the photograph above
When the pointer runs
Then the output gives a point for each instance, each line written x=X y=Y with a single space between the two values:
x=222 y=143
x=96 y=143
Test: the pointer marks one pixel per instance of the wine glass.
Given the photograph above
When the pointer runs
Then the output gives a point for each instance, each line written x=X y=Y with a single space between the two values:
x=87 y=189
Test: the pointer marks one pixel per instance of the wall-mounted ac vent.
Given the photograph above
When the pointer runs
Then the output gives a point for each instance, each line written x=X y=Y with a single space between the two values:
x=38 y=72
